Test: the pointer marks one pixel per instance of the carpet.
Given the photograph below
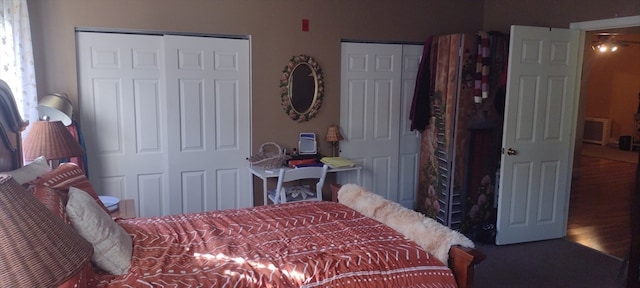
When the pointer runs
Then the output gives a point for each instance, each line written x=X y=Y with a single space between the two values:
x=549 y=263
x=610 y=153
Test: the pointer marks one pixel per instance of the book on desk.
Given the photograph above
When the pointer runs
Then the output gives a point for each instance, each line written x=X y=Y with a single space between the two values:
x=337 y=162
x=317 y=161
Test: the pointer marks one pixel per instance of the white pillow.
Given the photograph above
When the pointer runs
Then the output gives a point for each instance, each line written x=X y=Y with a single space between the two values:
x=31 y=171
x=112 y=245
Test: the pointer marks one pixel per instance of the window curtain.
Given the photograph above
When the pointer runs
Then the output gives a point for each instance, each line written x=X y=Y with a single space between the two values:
x=16 y=57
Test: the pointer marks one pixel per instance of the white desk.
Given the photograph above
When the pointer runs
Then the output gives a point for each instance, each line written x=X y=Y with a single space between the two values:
x=265 y=174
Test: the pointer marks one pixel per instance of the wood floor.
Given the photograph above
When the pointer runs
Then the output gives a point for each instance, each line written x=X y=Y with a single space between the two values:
x=599 y=208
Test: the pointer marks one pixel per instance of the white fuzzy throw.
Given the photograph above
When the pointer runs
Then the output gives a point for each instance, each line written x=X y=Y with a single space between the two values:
x=432 y=236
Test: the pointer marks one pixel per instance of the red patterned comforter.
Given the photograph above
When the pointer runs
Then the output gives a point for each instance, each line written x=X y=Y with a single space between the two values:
x=309 y=244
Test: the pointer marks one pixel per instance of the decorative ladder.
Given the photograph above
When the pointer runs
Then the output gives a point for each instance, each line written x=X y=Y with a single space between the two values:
x=450 y=200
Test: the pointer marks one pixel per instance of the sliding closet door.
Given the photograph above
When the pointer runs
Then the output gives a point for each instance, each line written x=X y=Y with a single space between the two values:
x=376 y=92
x=166 y=120
x=123 y=115
x=208 y=96
x=370 y=113
x=409 y=154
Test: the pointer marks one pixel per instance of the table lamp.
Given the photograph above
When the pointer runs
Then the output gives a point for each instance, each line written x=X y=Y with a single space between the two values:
x=56 y=107
x=37 y=248
x=52 y=140
x=334 y=137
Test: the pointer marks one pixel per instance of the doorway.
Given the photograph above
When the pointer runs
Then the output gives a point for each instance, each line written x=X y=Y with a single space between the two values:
x=601 y=183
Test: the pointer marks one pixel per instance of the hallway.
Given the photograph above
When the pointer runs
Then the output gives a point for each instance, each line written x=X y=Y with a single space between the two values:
x=599 y=208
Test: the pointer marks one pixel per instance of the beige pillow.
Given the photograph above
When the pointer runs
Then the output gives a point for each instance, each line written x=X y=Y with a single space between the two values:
x=112 y=245
x=31 y=171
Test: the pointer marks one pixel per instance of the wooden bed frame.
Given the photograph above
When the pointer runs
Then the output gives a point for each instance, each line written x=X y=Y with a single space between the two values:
x=462 y=260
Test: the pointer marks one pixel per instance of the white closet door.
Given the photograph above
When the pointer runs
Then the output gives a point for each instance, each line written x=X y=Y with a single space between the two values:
x=209 y=123
x=123 y=115
x=167 y=120
x=377 y=87
x=409 y=156
x=370 y=105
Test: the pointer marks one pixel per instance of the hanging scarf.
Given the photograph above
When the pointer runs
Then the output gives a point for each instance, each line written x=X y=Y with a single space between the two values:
x=483 y=61
x=420 y=112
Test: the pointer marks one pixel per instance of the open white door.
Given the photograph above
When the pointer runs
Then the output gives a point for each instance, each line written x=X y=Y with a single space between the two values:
x=538 y=141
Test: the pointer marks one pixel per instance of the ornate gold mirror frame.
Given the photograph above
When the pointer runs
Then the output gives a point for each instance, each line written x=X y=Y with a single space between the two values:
x=301 y=88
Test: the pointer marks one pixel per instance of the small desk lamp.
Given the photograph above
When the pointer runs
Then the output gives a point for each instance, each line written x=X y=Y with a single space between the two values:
x=334 y=137
x=37 y=248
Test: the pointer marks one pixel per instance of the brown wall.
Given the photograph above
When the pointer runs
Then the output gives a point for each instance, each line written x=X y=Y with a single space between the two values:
x=499 y=15
x=274 y=27
x=275 y=30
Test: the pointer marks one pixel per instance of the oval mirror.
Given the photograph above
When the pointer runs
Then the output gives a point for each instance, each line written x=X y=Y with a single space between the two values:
x=301 y=88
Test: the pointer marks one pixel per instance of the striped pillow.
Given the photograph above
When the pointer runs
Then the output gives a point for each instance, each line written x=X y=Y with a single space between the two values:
x=51 y=199
x=68 y=175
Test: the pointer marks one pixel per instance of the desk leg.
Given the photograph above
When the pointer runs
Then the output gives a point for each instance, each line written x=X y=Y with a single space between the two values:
x=264 y=190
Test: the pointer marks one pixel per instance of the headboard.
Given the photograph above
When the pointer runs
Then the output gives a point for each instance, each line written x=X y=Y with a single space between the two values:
x=11 y=127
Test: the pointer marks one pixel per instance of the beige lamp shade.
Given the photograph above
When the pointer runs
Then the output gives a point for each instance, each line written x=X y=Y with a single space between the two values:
x=37 y=248
x=333 y=134
x=52 y=140
x=56 y=107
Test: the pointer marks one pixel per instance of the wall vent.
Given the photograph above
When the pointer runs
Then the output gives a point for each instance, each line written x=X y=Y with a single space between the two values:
x=596 y=130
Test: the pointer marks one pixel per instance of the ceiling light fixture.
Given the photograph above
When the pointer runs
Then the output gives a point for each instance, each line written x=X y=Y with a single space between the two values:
x=605 y=47
x=610 y=42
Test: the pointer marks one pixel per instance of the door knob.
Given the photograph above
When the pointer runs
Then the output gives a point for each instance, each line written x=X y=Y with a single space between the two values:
x=511 y=151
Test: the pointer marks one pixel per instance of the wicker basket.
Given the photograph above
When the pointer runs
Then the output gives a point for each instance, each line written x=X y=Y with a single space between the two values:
x=269 y=159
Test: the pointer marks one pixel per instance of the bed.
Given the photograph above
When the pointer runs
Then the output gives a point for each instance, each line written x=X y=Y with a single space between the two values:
x=354 y=243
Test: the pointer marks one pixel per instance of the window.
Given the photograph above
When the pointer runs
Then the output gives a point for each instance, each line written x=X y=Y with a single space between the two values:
x=16 y=56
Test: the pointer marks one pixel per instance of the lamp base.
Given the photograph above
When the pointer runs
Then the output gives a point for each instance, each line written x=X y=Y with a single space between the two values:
x=334 y=149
